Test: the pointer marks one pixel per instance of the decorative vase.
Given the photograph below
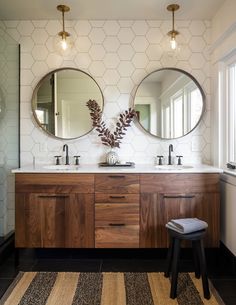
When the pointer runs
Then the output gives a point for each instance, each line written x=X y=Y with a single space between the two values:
x=112 y=157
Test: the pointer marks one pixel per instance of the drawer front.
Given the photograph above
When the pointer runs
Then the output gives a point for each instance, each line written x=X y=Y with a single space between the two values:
x=113 y=214
x=116 y=198
x=117 y=237
x=117 y=183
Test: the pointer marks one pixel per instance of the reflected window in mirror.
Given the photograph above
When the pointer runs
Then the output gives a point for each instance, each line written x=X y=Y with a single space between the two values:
x=59 y=103
x=175 y=102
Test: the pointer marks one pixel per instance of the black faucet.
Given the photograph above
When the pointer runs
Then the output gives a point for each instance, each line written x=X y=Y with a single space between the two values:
x=169 y=157
x=65 y=148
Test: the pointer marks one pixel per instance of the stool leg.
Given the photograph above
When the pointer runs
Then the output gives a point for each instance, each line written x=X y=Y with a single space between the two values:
x=196 y=260
x=174 y=271
x=202 y=260
x=169 y=257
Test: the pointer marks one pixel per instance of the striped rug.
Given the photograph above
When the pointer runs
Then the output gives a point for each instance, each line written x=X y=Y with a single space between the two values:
x=69 y=288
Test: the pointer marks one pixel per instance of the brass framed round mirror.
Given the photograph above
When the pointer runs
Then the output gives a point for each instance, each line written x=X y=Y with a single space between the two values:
x=169 y=103
x=59 y=103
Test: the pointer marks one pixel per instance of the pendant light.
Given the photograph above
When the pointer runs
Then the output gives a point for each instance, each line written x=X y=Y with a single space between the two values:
x=173 y=33
x=64 y=43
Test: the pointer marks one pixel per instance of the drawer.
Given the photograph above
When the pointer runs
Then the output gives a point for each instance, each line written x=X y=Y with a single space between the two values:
x=112 y=214
x=116 y=198
x=117 y=183
x=117 y=236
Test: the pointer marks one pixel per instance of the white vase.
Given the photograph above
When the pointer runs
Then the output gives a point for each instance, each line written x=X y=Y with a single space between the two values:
x=112 y=157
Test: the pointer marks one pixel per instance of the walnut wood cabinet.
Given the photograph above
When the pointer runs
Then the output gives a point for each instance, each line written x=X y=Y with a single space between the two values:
x=168 y=196
x=116 y=211
x=111 y=210
x=54 y=210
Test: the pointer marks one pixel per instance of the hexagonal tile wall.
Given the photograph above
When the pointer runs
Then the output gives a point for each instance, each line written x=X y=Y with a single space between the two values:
x=118 y=54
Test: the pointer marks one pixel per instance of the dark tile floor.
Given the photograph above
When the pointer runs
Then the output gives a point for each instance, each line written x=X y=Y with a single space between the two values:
x=219 y=270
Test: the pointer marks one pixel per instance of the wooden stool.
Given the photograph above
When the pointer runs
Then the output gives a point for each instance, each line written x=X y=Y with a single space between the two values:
x=199 y=259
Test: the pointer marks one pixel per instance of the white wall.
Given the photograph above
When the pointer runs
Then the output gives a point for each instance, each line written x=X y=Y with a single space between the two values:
x=118 y=54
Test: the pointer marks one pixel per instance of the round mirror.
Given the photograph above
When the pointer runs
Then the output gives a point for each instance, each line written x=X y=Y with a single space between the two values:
x=169 y=103
x=59 y=103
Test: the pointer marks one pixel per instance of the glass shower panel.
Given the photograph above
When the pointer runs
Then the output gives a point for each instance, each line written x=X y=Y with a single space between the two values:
x=9 y=128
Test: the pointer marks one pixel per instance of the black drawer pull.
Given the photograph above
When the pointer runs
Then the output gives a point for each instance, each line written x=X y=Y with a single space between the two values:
x=53 y=196
x=179 y=196
x=116 y=224
x=116 y=177
x=117 y=197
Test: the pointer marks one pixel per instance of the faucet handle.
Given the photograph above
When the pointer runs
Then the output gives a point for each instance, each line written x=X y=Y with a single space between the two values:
x=160 y=162
x=179 y=160
x=76 y=160
x=57 y=159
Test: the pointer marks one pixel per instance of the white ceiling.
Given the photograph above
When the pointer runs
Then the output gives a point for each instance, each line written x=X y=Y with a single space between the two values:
x=108 y=9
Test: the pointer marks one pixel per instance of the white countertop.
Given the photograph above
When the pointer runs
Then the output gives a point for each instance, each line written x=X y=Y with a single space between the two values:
x=139 y=168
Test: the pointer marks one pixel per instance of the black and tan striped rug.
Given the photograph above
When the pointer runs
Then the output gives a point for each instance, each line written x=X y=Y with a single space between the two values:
x=70 y=288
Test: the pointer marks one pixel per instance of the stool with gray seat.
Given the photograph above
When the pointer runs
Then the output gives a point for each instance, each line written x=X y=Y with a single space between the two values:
x=199 y=259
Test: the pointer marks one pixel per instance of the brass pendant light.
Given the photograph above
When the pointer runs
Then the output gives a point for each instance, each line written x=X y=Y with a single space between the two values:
x=63 y=34
x=173 y=33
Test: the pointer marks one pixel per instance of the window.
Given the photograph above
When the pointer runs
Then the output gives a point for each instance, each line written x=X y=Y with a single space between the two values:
x=231 y=112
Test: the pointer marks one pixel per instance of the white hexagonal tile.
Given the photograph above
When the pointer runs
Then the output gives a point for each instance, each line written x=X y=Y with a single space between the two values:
x=53 y=27
x=126 y=23
x=26 y=44
x=111 y=60
x=139 y=143
x=26 y=77
x=26 y=60
x=198 y=143
x=39 y=68
x=111 y=77
x=111 y=110
x=126 y=152
x=140 y=27
x=197 y=27
x=140 y=44
x=39 y=52
x=124 y=101
x=125 y=52
x=111 y=93
x=111 y=27
x=111 y=44
x=154 y=52
x=197 y=61
x=97 y=52
x=26 y=93
x=125 y=85
x=97 y=23
x=82 y=27
x=97 y=68
x=26 y=126
x=54 y=60
x=83 y=60
x=97 y=35
x=14 y=34
x=82 y=44
x=139 y=75
x=154 y=35
x=40 y=23
x=184 y=53
x=126 y=68
x=39 y=36
x=125 y=35
x=25 y=27
x=26 y=143
x=140 y=60
x=197 y=44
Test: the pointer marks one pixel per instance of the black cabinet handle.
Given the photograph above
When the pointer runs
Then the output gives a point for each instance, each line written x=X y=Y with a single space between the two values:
x=116 y=177
x=54 y=196
x=178 y=196
x=116 y=224
x=117 y=197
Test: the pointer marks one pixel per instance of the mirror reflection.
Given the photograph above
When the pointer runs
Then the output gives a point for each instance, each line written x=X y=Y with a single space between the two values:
x=169 y=103
x=59 y=103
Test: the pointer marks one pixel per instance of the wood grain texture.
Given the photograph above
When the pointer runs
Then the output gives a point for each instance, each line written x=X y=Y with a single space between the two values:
x=179 y=183
x=116 y=198
x=117 y=237
x=117 y=183
x=115 y=213
x=54 y=183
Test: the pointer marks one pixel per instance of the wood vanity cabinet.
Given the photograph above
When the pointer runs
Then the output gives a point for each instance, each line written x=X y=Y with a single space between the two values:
x=169 y=196
x=117 y=211
x=54 y=210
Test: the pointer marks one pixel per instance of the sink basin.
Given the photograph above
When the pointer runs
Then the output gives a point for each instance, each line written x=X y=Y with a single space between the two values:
x=173 y=167
x=62 y=167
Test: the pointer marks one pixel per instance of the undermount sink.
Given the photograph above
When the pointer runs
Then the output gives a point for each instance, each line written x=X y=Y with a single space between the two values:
x=173 y=167
x=62 y=167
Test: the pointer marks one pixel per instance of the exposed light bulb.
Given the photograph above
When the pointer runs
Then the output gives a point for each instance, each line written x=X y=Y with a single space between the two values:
x=64 y=44
x=173 y=43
